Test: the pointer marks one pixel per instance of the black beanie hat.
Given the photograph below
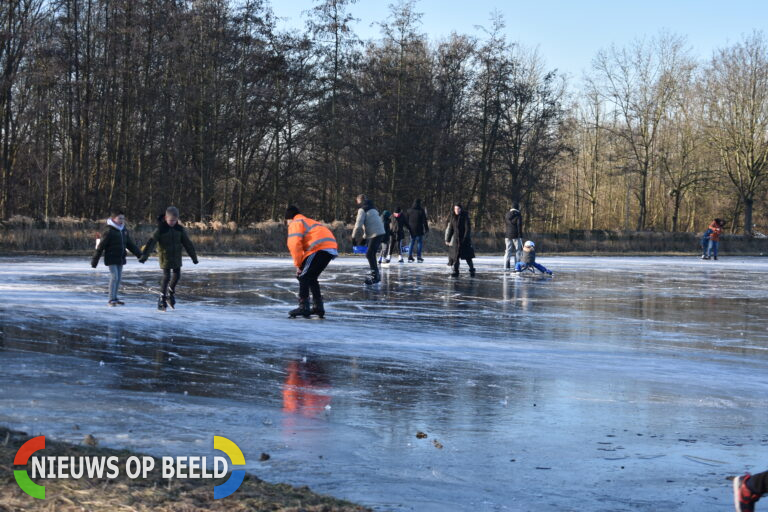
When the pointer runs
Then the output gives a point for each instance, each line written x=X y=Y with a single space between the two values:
x=291 y=212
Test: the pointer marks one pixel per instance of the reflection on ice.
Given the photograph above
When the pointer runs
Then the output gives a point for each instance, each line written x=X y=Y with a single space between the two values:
x=612 y=387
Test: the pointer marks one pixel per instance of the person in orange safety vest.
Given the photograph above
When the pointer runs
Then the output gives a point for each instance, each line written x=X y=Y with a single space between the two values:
x=312 y=247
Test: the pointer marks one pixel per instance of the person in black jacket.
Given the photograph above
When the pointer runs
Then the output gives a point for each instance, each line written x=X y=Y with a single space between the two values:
x=170 y=238
x=514 y=236
x=418 y=226
x=112 y=244
x=458 y=238
x=398 y=223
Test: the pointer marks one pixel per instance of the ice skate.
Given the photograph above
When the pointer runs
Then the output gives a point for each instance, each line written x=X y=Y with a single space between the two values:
x=162 y=305
x=317 y=309
x=302 y=310
x=374 y=278
x=743 y=498
x=172 y=300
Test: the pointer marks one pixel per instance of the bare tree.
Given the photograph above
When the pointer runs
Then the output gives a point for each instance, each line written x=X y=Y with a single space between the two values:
x=737 y=106
x=640 y=82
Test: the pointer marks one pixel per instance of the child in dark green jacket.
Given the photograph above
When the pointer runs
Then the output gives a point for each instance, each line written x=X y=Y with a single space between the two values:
x=170 y=237
x=112 y=244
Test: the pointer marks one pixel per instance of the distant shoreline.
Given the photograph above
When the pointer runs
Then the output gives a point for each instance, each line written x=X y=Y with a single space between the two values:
x=78 y=237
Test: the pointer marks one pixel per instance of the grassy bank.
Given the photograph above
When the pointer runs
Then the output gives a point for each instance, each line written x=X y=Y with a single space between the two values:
x=152 y=494
x=78 y=236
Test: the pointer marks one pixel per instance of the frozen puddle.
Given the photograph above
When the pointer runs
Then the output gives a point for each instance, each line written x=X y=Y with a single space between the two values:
x=622 y=384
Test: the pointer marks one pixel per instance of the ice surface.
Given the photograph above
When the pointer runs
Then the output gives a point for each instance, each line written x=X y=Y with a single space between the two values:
x=621 y=384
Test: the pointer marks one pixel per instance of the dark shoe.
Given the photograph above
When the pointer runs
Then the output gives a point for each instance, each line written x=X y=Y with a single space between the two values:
x=112 y=303
x=704 y=257
x=410 y=260
x=743 y=498
x=454 y=274
x=162 y=305
x=420 y=260
x=172 y=300
x=715 y=258
x=302 y=310
x=472 y=272
x=119 y=302
x=374 y=278
x=318 y=309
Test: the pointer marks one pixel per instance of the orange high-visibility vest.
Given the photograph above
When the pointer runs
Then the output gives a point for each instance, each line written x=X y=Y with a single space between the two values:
x=307 y=236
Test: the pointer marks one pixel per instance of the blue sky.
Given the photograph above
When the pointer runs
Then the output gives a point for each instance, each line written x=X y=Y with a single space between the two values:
x=569 y=33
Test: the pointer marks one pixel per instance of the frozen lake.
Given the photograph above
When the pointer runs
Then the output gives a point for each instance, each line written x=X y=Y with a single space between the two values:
x=621 y=384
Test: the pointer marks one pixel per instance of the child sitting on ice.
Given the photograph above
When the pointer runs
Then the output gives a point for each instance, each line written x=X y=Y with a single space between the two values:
x=529 y=260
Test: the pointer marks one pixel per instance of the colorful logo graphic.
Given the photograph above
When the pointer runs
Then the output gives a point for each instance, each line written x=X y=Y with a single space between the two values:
x=21 y=475
x=193 y=467
x=237 y=476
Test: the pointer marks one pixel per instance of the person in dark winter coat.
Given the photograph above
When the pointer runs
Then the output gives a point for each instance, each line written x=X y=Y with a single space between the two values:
x=170 y=238
x=419 y=227
x=112 y=244
x=529 y=260
x=460 y=233
x=386 y=217
x=368 y=226
x=513 y=237
x=397 y=225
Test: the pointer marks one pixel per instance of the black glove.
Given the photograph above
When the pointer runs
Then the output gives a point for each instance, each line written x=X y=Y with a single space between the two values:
x=142 y=259
x=195 y=261
x=94 y=263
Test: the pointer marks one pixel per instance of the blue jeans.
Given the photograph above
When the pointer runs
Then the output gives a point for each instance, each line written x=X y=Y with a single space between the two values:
x=712 y=249
x=416 y=240
x=115 y=275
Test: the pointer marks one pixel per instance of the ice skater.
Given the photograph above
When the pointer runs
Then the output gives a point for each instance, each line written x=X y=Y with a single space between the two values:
x=368 y=226
x=528 y=260
x=514 y=236
x=397 y=225
x=312 y=247
x=704 y=243
x=418 y=225
x=458 y=238
x=716 y=229
x=113 y=243
x=170 y=237
x=748 y=489
x=386 y=217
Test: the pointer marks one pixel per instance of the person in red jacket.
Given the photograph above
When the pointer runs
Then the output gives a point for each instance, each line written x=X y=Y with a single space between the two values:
x=312 y=247
x=716 y=229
